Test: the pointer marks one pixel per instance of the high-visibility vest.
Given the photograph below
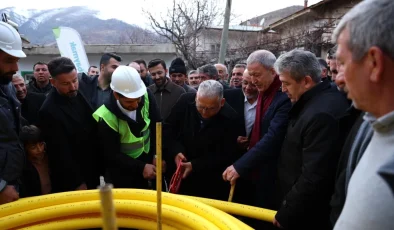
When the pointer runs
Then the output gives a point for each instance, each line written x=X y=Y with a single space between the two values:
x=129 y=144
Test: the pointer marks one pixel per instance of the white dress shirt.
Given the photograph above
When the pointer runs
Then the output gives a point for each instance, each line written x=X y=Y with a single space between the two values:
x=131 y=114
x=250 y=115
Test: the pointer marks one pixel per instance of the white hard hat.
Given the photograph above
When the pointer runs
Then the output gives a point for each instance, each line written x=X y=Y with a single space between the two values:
x=10 y=41
x=127 y=81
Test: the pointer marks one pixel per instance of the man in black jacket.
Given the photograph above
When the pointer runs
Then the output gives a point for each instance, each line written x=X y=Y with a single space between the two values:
x=200 y=136
x=40 y=83
x=127 y=131
x=178 y=75
x=31 y=102
x=145 y=76
x=69 y=131
x=11 y=151
x=352 y=145
x=310 y=150
x=96 y=89
x=209 y=72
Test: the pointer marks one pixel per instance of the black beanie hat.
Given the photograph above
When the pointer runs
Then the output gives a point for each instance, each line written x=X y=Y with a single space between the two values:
x=178 y=66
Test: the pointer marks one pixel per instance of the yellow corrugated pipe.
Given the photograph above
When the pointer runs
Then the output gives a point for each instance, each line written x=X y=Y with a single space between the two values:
x=134 y=208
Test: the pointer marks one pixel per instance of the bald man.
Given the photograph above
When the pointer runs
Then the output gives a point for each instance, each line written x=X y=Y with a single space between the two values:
x=136 y=66
x=222 y=71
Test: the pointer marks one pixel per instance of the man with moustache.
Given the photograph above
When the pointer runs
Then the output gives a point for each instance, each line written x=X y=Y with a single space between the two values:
x=31 y=102
x=244 y=102
x=222 y=72
x=194 y=79
x=201 y=139
x=40 y=83
x=236 y=75
x=178 y=74
x=311 y=149
x=12 y=155
x=93 y=71
x=145 y=76
x=96 y=89
x=366 y=53
x=166 y=92
x=69 y=131
x=210 y=72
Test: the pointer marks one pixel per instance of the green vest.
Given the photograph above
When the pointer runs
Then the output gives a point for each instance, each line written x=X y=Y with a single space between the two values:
x=129 y=144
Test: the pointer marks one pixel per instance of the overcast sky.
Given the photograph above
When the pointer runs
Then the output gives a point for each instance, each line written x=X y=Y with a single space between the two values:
x=133 y=12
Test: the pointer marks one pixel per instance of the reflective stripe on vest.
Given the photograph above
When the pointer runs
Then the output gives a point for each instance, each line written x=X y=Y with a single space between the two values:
x=127 y=147
x=129 y=144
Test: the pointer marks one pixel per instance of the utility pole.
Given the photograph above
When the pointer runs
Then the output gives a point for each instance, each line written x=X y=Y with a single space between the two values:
x=223 y=42
x=172 y=23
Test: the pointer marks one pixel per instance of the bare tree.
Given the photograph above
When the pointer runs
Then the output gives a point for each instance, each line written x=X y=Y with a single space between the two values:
x=182 y=25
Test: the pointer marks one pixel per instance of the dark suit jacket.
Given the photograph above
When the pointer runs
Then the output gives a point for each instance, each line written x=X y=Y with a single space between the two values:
x=349 y=126
x=12 y=156
x=88 y=87
x=309 y=158
x=262 y=158
x=70 y=135
x=236 y=99
x=31 y=105
x=209 y=146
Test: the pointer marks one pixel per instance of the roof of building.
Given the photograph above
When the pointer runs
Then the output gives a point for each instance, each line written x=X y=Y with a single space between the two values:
x=297 y=14
x=272 y=17
x=237 y=28
x=25 y=40
x=103 y=48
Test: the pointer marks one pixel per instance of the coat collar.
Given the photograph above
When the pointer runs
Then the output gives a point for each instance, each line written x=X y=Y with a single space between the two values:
x=308 y=95
x=168 y=86
x=63 y=103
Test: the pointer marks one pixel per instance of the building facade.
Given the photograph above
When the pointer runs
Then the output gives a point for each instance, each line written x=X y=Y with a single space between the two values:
x=129 y=53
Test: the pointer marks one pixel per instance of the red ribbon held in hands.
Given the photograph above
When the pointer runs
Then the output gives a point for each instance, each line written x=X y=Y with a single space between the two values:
x=177 y=178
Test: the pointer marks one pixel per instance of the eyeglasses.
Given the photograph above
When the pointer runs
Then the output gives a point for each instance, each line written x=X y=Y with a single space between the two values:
x=206 y=109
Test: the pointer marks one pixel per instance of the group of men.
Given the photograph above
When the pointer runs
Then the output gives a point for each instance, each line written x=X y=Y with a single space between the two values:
x=285 y=135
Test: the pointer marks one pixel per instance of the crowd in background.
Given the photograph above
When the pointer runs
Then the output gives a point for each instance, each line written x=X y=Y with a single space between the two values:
x=312 y=138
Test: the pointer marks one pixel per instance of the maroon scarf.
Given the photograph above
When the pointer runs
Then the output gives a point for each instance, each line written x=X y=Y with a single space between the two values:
x=264 y=100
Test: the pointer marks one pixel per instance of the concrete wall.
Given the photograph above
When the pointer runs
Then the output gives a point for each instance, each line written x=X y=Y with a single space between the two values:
x=26 y=64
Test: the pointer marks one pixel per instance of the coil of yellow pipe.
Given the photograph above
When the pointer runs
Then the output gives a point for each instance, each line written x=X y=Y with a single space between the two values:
x=131 y=207
x=92 y=221
x=239 y=209
x=125 y=200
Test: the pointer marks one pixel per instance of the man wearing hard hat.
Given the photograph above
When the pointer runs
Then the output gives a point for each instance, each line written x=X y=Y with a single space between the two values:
x=126 y=130
x=11 y=151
